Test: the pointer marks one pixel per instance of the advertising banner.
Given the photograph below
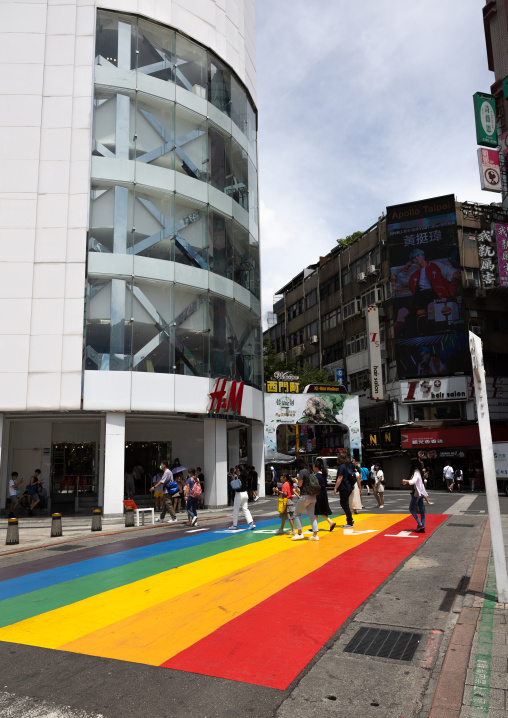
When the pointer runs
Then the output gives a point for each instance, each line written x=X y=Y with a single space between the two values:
x=432 y=390
x=311 y=409
x=501 y=232
x=503 y=141
x=425 y=276
x=485 y=119
x=490 y=171
x=376 y=374
x=487 y=256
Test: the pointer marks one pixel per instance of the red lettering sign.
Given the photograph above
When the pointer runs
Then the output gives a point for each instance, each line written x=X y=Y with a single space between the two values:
x=221 y=400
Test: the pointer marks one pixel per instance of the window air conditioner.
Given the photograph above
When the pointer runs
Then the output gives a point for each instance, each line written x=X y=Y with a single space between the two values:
x=314 y=339
x=361 y=277
x=372 y=269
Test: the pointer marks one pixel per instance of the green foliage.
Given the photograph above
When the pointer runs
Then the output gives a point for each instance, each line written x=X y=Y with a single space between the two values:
x=350 y=238
x=308 y=374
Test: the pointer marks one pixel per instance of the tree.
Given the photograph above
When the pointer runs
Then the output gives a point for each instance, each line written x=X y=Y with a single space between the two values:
x=307 y=373
x=350 y=238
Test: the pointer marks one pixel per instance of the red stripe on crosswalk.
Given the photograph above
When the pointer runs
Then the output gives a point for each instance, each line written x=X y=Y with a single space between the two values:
x=270 y=644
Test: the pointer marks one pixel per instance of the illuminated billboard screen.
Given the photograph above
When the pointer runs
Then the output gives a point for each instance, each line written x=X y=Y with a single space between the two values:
x=425 y=279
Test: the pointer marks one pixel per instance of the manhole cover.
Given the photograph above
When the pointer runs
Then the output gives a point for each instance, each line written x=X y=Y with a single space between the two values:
x=65 y=547
x=464 y=526
x=384 y=644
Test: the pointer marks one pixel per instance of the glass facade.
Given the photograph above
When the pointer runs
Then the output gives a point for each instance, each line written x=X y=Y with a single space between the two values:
x=173 y=267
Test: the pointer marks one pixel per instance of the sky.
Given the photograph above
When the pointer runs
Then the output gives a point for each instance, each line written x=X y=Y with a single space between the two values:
x=361 y=105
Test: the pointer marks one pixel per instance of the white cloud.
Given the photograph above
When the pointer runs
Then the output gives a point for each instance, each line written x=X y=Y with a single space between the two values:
x=360 y=106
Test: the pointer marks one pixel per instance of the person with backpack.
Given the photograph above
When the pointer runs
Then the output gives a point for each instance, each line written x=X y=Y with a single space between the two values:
x=346 y=478
x=309 y=489
x=416 y=505
x=459 y=476
x=165 y=481
x=193 y=493
x=239 y=486
x=448 y=477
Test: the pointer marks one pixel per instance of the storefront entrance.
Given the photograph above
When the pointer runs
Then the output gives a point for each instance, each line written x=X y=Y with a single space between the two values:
x=142 y=460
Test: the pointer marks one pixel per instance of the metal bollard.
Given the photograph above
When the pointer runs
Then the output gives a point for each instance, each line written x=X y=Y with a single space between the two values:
x=96 y=520
x=12 y=532
x=56 y=524
x=129 y=516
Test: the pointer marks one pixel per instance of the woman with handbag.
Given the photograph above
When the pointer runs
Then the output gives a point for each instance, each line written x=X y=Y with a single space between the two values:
x=322 y=506
x=239 y=486
x=286 y=506
x=416 y=505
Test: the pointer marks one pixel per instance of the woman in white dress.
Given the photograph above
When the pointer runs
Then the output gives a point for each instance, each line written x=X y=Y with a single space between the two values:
x=355 y=497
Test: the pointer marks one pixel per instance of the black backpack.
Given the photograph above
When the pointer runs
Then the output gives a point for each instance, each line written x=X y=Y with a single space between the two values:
x=348 y=480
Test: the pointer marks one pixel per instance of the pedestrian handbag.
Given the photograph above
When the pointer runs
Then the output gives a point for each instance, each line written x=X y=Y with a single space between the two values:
x=236 y=484
x=282 y=502
x=196 y=490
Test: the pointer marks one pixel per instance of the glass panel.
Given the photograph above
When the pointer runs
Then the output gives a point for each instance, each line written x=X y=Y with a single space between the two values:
x=240 y=328
x=254 y=269
x=241 y=255
x=190 y=70
x=192 y=337
x=108 y=327
x=111 y=219
x=238 y=105
x=154 y=131
x=115 y=42
x=251 y=124
x=151 y=327
x=222 y=362
x=220 y=245
x=154 y=223
x=238 y=185
x=219 y=156
x=191 y=152
x=191 y=234
x=219 y=85
x=113 y=117
x=156 y=48
x=252 y=184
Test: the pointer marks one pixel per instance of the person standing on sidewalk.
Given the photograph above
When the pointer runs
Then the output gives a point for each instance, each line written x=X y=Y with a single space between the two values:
x=306 y=502
x=416 y=505
x=240 y=487
x=167 y=478
x=14 y=482
x=201 y=479
x=448 y=477
x=346 y=476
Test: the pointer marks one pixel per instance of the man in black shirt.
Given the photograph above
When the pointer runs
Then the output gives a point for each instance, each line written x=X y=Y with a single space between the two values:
x=344 y=485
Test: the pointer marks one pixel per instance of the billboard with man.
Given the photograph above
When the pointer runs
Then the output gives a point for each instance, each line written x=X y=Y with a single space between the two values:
x=425 y=278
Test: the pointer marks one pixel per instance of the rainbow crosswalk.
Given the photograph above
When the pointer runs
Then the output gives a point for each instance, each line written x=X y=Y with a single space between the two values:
x=214 y=603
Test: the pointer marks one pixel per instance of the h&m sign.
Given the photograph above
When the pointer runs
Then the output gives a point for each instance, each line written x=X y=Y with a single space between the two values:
x=227 y=398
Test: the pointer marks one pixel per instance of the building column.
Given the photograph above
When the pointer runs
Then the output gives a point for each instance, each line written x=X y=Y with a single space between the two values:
x=102 y=453
x=233 y=447
x=256 y=453
x=4 y=451
x=215 y=468
x=114 y=464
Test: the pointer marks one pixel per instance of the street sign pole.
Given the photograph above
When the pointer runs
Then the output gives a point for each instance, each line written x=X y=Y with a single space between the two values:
x=489 y=468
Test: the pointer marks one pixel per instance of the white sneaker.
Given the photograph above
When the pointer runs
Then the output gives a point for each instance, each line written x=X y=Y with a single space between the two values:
x=298 y=537
x=233 y=528
x=280 y=532
x=159 y=521
x=172 y=521
x=256 y=498
x=314 y=538
x=252 y=527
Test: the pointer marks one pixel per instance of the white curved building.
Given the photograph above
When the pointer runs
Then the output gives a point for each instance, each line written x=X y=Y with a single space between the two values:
x=129 y=244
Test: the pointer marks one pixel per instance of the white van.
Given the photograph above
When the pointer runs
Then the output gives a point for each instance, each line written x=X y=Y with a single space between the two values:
x=332 y=466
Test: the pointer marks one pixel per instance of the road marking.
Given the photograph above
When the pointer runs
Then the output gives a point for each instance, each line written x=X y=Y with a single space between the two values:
x=402 y=534
x=193 y=531
x=352 y=532
x=461 y=505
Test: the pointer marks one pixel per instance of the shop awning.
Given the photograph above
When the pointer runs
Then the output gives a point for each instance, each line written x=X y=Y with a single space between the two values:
x=452 y=436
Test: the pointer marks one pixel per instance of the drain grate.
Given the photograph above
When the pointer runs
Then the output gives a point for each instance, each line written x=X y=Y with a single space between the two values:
x=384 y=644
x=464 y=526
x=67 y=548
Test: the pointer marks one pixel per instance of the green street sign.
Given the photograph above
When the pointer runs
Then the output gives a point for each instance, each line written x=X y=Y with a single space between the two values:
x=505 y=88
x=485 y=118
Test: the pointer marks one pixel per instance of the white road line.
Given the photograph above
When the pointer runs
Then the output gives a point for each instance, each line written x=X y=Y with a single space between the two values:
x=461 y=505
x=193 y=531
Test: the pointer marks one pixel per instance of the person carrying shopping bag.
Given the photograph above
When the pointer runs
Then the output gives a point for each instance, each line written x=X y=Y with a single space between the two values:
x=240 y=487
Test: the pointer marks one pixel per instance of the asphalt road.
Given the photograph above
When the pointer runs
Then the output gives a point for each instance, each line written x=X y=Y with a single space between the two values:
x=418 y=595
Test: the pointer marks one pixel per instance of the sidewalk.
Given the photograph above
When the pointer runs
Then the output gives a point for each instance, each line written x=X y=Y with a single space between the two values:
x=473 y=679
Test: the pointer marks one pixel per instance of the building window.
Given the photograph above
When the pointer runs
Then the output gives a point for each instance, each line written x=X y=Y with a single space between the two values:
x=356 y=344
x=359 y=381
x=312 y=298
x=333 y=353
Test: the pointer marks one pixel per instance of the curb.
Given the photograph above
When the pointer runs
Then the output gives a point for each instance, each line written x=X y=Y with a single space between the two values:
x=92 y=536
x=447 y=701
